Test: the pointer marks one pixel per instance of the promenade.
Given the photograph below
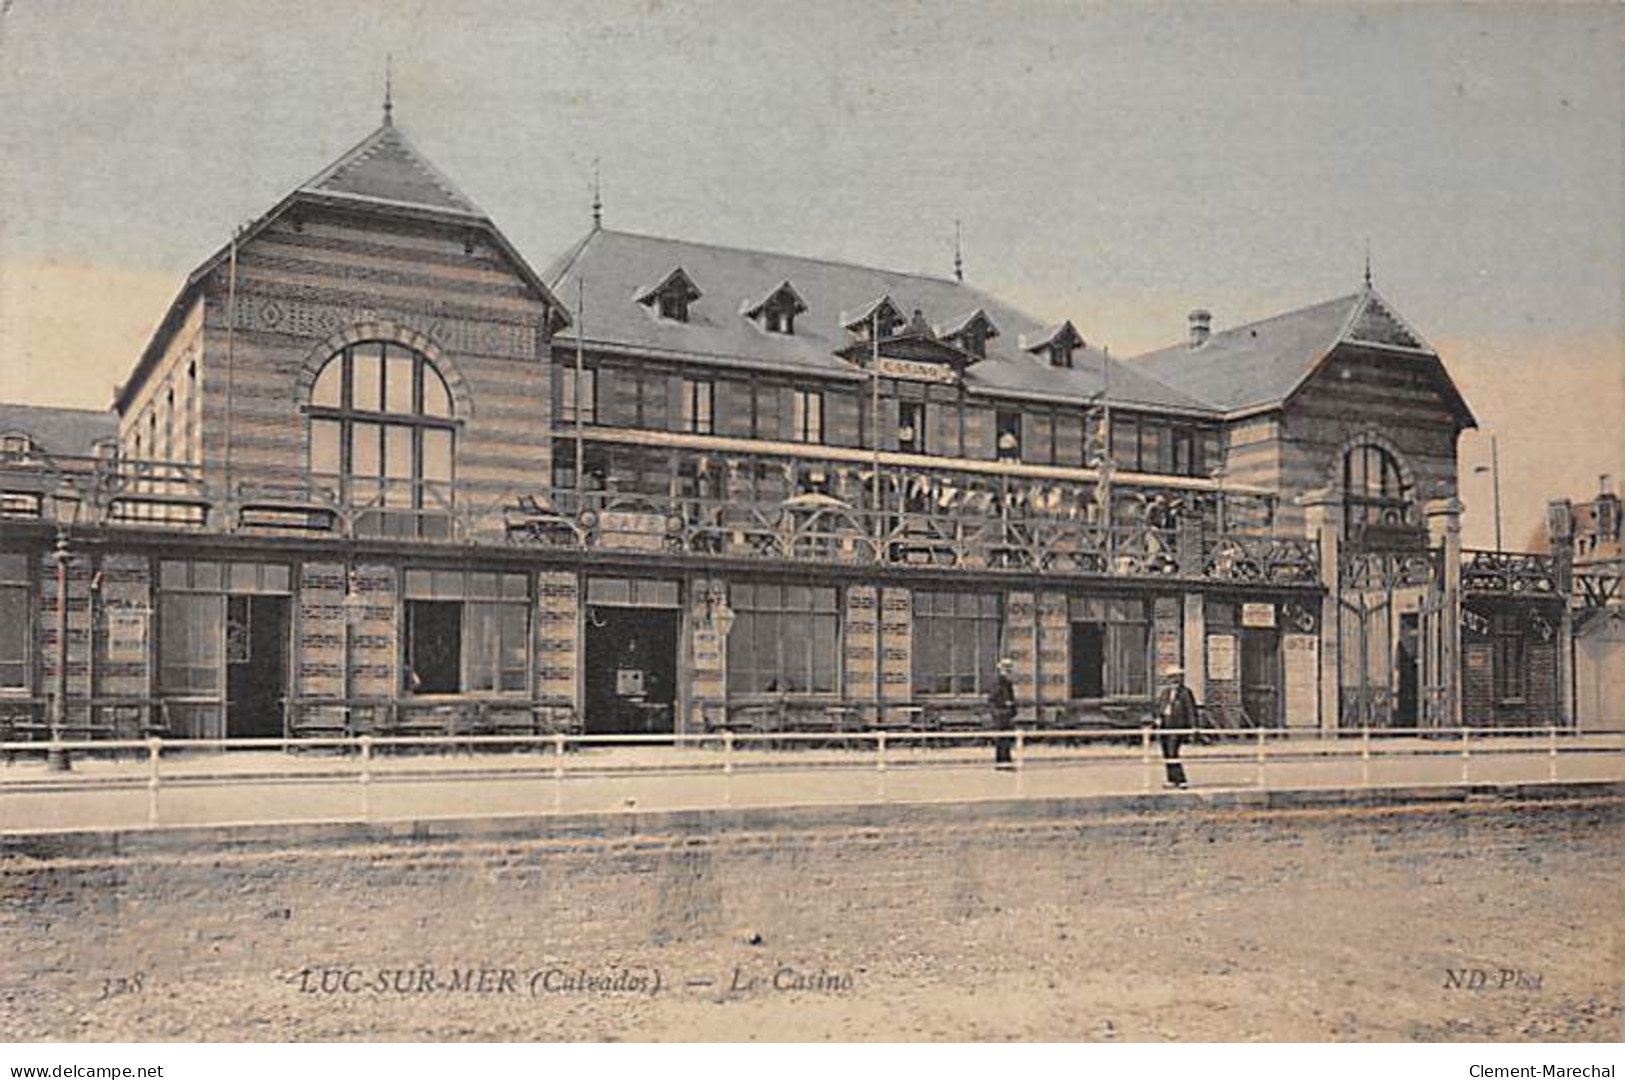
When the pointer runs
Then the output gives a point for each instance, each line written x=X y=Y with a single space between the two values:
x=223 y=788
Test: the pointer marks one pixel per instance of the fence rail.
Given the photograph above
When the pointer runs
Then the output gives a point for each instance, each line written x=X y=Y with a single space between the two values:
x=365 y=762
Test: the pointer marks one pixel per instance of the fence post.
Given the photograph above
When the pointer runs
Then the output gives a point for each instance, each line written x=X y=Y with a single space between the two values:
x=1145 y=759
x=880 y=751
x=1551 y=739
x=1466 y=751
x=1021 y=749
x=1259 y=753
x=1365 y=755
x=154 y=749
x=727 y=753
x=366 y=777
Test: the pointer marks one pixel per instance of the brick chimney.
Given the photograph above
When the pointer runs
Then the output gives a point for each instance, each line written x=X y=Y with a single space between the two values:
x=1201 y=321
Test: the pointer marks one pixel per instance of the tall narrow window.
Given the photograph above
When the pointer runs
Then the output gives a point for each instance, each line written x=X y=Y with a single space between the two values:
x=698 y=406
x=911 y=427
x=809 y=416
x=1009 y=435
x=15 y=623
x=578 y=394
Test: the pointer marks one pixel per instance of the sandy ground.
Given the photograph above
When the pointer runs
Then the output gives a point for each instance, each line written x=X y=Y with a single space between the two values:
x=1206 y=925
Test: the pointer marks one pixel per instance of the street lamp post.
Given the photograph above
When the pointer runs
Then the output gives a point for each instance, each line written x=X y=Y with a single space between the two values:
x=1494 y=469
x=56 y=758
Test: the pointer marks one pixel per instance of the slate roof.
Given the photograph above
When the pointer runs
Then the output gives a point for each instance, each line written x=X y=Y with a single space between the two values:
x=612 y=268
x=1257 y=364
x=1261 y=364
x=385 y=167
x=69 y=432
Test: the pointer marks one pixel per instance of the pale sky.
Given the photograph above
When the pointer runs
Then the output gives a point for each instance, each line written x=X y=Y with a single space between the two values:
x=1114 y=164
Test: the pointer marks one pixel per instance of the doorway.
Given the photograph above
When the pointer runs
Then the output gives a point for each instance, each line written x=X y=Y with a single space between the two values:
x=631 y=670
x=1407 y=660
x=256 y=666
x=1261 y=676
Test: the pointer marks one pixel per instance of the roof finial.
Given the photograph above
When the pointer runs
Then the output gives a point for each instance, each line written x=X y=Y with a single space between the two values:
x=1368 y=262
x=389 y=89
x=959 y=252
x=597 y=197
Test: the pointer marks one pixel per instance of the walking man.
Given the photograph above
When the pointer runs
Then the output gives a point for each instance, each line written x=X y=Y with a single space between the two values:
x=1176 y=718
x=1001 y=702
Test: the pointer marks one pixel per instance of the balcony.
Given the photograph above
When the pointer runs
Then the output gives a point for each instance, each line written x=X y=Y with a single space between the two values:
x=937 y=521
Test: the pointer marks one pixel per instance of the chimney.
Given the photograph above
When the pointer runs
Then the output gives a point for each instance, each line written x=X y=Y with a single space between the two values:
x=1201 y=327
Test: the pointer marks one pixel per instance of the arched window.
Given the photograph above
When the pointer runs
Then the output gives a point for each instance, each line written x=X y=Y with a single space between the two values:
x=381 y=426
x=1374 y=491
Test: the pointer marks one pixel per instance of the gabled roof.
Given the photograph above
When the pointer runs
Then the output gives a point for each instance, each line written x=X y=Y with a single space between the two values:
x=958 y=326
x=383 y=173
x=785 y=295
x=386 y=168
x=881 y=306
x=1062 y=333
x=68 y=432
x=677 y=282
x=610 y=267
x=1260 y=365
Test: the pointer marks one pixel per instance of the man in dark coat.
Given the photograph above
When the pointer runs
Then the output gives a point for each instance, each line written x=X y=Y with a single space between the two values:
x=1001 y=702
x=1176 y=719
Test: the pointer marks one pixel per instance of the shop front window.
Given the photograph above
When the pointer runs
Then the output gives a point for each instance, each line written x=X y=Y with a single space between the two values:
x=785 y=639
x=956 y=642
x=466 y=632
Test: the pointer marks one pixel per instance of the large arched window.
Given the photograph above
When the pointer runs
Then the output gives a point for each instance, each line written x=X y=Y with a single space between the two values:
x=1374 y=491
x=381 y=428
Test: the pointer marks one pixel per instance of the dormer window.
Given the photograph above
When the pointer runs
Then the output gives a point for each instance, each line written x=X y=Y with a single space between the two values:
x=672 y=297
x=972 y=333
x=15 y=444
x=1059 y=345
x=877 y=321
x=777 y=311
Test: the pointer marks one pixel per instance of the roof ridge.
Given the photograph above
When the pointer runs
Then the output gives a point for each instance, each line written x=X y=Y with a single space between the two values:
x=55 y=408
x=846 y=263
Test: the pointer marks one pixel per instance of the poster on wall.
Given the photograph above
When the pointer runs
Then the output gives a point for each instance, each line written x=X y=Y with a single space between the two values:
x=707 y=650
x=1221 y=658
x=1258 y=616
x=1300 y=659
x=126 y=634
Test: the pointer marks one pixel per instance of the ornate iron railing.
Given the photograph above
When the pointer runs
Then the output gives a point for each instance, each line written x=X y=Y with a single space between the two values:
x=1509 y=573
x=1129 y=532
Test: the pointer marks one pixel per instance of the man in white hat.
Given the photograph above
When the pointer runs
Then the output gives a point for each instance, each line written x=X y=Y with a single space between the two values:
x=1176 y=721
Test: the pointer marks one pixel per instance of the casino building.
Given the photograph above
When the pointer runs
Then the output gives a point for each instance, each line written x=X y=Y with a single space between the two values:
x=375 y=472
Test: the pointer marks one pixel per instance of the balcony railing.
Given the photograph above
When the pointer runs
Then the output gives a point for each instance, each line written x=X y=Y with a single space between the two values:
x=1509 y=573
x=1131 y=533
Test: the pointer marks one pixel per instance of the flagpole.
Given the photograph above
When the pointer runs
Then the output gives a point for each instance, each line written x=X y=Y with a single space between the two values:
x=581 y=385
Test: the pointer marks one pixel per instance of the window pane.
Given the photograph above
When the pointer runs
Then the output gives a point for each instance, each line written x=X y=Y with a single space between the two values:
x=515 y=626
x=276 y=578
x=324 y=447
x=329 y=387
x=398 y=373
x=243 y=577
x=436 y=398
x=366 y=377
x=433 y=646
x=419 y=583
x=398 y=452
x=13 y=636
x=437 y=455
x=191 y=638
x=482 y=586
x=366 y=457
x=206 y=576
